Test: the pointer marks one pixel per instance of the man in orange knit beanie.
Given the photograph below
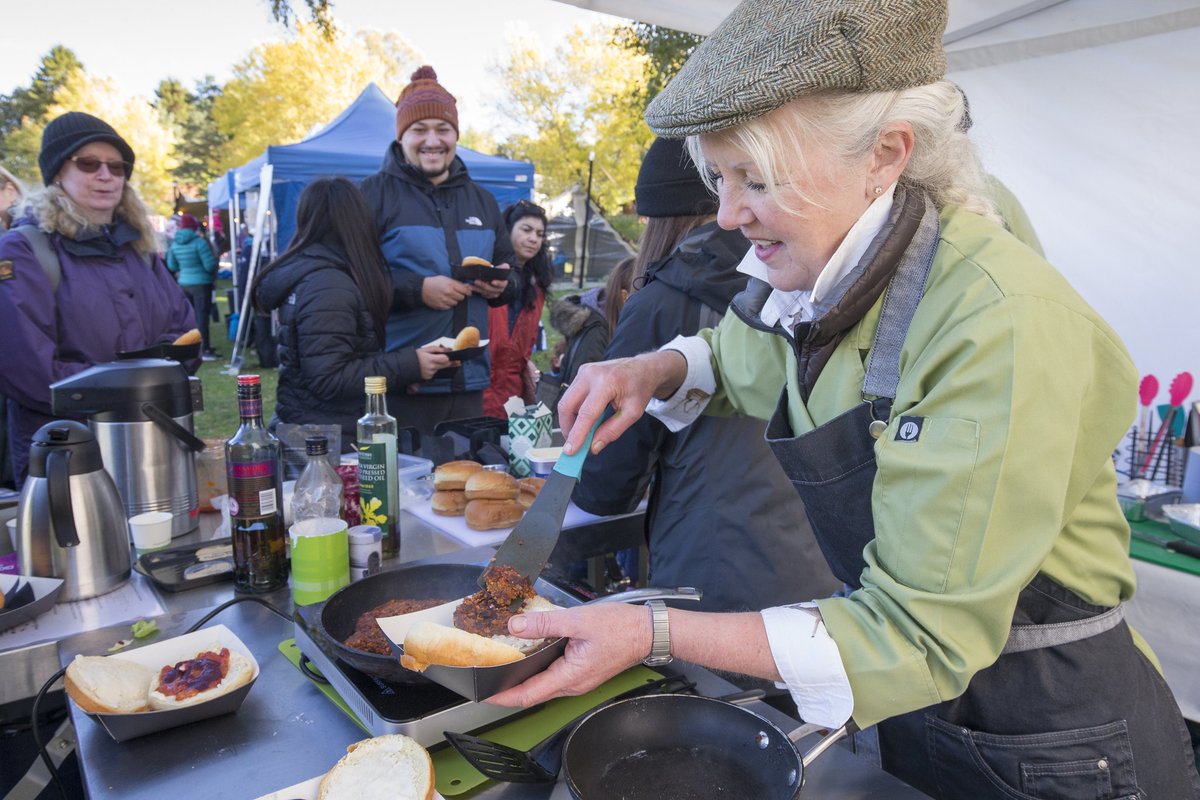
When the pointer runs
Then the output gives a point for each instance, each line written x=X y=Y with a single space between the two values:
x=430 y=216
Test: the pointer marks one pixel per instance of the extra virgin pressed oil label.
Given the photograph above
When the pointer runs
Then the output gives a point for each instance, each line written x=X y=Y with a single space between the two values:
x=252 y=489
x=377 y=490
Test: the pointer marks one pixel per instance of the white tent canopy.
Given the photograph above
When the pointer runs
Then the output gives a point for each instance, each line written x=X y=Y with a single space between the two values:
x=1087 y=110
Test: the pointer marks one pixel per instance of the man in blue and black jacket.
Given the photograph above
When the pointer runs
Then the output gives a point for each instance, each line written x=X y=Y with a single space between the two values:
x=431 y=216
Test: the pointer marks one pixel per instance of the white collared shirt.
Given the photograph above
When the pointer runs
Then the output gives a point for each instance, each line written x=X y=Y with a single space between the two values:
x=805 y=654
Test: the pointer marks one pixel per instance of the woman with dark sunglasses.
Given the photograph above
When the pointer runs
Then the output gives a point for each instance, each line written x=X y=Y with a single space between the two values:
x=513 y=328
x=80 y=276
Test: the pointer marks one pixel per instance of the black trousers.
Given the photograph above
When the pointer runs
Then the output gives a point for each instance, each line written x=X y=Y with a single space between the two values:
x=201 y=296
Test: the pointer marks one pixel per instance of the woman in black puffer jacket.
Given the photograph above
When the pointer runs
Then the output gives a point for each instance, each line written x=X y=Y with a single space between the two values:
x=333 y=293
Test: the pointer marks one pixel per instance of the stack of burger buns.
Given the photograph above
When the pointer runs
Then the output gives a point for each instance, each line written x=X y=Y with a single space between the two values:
x=487 y=499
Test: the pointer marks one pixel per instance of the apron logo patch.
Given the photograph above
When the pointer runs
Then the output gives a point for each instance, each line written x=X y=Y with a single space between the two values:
x=6 y=270
x=910 y=429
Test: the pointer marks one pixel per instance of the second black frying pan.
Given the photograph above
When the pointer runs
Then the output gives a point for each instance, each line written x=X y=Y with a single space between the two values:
x=683 y=747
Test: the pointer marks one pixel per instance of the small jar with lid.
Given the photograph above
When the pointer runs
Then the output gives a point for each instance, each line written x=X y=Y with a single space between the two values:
x=211 y=480
x=366 y=550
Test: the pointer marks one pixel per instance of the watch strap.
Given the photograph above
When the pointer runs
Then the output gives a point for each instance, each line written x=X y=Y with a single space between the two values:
x=660 y=643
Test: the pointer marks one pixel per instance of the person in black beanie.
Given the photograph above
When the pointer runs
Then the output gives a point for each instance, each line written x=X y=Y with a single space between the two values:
x=80 y=276
x=738 y=535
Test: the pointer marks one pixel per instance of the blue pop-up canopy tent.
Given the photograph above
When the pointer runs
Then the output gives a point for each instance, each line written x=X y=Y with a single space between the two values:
x=353 y=145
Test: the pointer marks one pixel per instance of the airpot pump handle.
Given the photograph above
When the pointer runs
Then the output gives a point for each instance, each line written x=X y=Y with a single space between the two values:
x=186 y=437
x=58 y=485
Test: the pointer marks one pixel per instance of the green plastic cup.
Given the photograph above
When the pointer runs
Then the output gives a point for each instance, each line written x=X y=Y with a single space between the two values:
x=320 y=559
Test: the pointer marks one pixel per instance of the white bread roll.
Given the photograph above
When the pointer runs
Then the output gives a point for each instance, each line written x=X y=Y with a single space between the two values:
x=467 y=337
x=486 y=515
x=430 y=643
x=529 y=488
x=490 y=485
x=241 y=672
x=449 y=503
x=108 y=685
x=392 y=767
x=454 y=474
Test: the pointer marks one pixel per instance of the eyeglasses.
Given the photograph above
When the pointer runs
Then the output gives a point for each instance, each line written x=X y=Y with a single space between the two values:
x=90 y=164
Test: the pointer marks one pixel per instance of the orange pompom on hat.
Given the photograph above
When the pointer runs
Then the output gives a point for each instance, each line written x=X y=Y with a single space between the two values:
x=424 y=98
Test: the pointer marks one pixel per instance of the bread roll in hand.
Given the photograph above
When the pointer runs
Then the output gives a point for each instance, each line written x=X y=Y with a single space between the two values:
x=467 y=337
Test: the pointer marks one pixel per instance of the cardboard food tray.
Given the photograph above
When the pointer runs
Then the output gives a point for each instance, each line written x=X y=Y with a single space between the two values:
x=123 y=727
x=465 y=354
x=45 y=594
x=177 y=569
x=473 y=683
x=478 y=272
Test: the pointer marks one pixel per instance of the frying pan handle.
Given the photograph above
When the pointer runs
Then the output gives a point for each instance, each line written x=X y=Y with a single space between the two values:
x=828 y=741
x=649 y=593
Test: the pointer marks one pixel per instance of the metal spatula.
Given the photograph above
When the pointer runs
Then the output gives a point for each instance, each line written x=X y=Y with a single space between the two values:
x=541 y=763
x=528 y=547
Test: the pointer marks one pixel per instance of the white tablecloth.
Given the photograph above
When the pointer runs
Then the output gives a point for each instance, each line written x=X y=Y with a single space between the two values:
x=1166 y=611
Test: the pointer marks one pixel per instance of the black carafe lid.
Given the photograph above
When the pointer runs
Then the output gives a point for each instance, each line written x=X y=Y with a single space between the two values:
x=115 y=392
x=65 y=435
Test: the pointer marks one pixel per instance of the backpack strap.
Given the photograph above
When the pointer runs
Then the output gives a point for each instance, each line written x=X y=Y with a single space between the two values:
x=44 y=254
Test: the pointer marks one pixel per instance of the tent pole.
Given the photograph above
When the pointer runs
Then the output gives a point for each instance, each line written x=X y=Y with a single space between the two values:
x=587 y=219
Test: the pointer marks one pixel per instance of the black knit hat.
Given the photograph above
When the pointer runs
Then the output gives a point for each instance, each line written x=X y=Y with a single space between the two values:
x=668 y=184
x=66 y=134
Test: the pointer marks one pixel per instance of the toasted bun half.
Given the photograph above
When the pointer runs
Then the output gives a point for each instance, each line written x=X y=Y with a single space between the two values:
x=454 y=474
x=241 y=672
x=475 y=261
x=489 y=485
x=486 y=515
x=392 y=767
x=467 y=337
x=449 y=503
x=108 y=685
x=430 y=643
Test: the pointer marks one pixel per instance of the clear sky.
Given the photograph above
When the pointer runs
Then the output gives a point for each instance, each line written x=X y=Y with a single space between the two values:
x=139 y=42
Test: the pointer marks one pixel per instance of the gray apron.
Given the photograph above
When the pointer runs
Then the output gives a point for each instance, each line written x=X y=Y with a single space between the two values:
x=1072 y=710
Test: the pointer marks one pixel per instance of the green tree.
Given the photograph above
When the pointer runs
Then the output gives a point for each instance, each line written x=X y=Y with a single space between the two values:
x=282 y=90
x=133 y=118
x=665 y=51
x=198 y=142
x=28 y=106
x=581 y=99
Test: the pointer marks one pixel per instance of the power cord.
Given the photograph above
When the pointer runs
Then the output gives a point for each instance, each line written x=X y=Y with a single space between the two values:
x=37 y=736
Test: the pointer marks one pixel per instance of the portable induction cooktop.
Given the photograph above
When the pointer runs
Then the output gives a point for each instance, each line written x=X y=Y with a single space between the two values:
x=421 y=711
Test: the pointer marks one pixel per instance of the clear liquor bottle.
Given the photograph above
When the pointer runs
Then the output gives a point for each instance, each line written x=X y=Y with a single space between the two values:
x=318 y=493
x=379 y=488
x=252 y=464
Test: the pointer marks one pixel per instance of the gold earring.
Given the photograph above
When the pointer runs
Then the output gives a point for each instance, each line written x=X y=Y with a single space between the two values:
x=878 y=191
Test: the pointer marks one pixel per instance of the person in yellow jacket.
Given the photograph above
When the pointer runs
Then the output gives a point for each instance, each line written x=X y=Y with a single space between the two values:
x=941 y=398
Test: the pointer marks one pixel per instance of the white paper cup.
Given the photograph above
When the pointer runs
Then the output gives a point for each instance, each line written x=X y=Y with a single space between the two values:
x=151 y=531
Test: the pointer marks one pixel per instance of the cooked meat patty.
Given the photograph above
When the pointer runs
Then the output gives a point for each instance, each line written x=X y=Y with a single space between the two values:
x=487 y=611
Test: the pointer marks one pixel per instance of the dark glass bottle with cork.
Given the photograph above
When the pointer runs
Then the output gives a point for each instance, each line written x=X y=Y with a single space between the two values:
x=252 y=463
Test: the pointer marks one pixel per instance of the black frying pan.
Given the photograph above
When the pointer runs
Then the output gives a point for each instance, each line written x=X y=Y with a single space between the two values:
x=683 y=747
x=423 y=582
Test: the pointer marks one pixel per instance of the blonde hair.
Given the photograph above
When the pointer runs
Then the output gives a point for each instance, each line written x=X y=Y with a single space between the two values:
x=830 y=131
x=56 y=212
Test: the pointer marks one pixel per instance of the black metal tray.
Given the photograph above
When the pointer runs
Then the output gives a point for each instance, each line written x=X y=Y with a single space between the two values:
x=177 y=569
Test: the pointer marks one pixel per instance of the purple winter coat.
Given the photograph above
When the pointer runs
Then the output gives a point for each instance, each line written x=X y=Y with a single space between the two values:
x=109 y=301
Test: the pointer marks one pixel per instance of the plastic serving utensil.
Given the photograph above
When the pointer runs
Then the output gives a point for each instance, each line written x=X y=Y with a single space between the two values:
x=1147 y=391
x=542 y=762
x=1181 y=387
x=528 y=547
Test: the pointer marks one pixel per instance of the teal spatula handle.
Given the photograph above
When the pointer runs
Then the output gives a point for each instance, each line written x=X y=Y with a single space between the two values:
x=572 y=465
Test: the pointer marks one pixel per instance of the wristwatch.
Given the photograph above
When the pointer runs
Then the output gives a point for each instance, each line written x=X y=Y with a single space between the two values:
x=660 y=646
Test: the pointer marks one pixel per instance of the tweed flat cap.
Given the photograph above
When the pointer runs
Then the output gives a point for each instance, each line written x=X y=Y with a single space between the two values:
x=768 y=52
